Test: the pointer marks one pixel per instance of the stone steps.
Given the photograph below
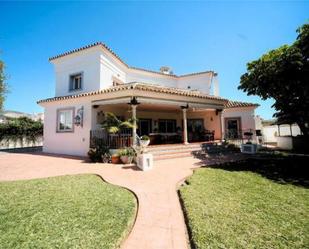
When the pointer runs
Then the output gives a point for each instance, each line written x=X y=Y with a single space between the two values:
x=173 y=151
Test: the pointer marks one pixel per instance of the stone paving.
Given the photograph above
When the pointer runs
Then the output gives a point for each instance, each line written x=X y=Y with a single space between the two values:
x=159 y=222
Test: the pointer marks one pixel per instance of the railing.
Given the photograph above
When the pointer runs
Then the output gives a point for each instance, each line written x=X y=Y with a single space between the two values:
x=238 y=137
x=101 y=137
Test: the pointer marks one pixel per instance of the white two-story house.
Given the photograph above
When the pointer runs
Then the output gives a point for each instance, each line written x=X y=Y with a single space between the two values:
x=93 y=80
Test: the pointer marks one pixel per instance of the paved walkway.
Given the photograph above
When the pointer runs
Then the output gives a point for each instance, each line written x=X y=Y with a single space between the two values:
x=159 y=223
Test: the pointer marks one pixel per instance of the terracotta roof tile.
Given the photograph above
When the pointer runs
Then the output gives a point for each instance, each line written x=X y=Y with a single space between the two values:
x=87 y=47
x=101 y=44
x=235 y=104
x=137 y=86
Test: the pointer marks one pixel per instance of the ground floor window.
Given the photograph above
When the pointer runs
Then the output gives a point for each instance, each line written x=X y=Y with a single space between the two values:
x=65 y=120
x=195 y=125
x=144 y=127
x=167 y=125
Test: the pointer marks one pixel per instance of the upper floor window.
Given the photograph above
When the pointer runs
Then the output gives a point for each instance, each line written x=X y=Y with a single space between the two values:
x=76 y=81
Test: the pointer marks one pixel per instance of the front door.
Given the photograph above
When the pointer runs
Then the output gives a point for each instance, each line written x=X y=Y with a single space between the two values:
x=144 y=127
x=232 y=127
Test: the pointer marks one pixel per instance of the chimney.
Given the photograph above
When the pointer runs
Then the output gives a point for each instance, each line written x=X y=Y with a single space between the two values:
x=166 y=70
x=215 y=84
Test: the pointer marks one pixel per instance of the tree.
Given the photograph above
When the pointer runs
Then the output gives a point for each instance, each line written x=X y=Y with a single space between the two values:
x=283 y=74
x=3 y=86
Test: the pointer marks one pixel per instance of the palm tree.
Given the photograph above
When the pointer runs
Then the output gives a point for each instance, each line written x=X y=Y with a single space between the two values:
x=113 y=125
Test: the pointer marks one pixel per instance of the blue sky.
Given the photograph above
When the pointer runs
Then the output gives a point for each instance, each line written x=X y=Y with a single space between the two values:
x=188 y=36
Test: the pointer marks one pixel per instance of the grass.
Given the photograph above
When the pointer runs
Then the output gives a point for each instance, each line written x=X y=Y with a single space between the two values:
x=78 y=211
x=243 y=209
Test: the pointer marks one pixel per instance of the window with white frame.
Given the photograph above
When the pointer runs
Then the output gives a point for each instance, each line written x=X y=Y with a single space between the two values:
x=65 y=120
x=76 y=81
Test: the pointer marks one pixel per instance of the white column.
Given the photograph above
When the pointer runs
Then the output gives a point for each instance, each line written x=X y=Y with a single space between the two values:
x=185 y=129
x=221 y=126
x=134 y=124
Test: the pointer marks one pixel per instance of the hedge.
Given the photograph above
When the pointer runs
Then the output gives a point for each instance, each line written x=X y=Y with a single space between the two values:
x=20 y=129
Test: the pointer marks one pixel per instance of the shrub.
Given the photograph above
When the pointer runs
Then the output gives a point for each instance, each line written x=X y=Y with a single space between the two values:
x=127 y=152
x=18 y=129
x=99 y=154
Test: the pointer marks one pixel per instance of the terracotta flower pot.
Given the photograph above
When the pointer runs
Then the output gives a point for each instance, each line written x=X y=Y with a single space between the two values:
x=126 y=159
x=115 y=159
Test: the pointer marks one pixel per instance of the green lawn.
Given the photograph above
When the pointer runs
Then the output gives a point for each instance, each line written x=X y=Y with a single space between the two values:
x=243 y=209
x=64 y=212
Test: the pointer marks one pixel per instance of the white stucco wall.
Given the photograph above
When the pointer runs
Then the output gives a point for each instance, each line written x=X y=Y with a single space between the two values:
x=246 y=114
x=270 y=132
x=200 y=82
x=100 y=68
x=151 y=78
x=86 y=63
x=70 y=143
x=110 y=70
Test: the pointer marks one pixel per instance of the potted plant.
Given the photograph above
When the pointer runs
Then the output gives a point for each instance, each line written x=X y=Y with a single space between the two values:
x=115 y=158
x=99 y=154
x=144 y=141
x=248 y=135
x=126 y=155
x=248 y=147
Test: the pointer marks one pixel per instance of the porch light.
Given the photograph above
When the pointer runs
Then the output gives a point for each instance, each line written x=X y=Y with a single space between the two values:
x=217 y=111
x=78 y=119
x=185 y=106
x=133 y=101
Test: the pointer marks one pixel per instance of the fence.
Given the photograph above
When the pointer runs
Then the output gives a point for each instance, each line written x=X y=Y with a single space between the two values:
x=112 y=141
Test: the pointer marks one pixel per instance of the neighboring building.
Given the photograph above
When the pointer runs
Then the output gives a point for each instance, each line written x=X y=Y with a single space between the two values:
x=93 y=80
x=271 y=130
x=15 y=114
x=38 y=117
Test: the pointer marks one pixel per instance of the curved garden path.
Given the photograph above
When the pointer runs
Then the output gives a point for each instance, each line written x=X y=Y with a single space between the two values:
x=159 y=222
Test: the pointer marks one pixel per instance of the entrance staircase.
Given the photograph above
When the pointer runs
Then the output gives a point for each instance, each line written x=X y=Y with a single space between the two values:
x=169 y=151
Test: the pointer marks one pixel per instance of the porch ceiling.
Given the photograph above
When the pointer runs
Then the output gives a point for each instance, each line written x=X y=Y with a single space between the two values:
x=158 y=104
x=148 y=107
